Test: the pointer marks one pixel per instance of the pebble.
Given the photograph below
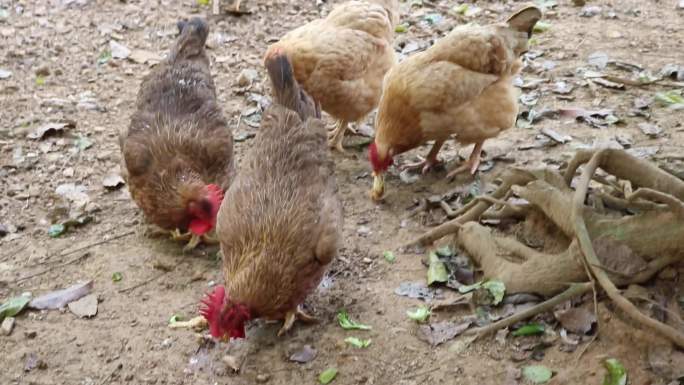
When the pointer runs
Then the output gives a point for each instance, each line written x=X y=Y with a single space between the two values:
x=247 y=77
x=363 y=231
x=7 y=326
x=262 y=378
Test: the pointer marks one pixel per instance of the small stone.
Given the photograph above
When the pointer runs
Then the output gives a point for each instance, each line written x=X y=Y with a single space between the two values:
x=84 y=307
x=30 y=335
x=231 y=362
x=129 y=377
x=367 y=260
x=43 y=71
x=7 y=326
x=247 y=77
x=3 y=230
x=166 y=343
x=263 y=378
x=363 y=231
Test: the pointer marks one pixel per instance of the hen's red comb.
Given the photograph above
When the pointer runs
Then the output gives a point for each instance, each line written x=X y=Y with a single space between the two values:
x=211 y=310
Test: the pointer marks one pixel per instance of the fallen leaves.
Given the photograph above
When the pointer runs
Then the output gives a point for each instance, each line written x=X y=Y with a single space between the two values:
x=60 y=298
x=13 y=306
x=304 y=355
x=48 y=129
x=537 y=374
x=327 y=376
x=419 y=315
x=617 y=375
x=348 y=324
x=441 y=332
x=577 y=320
x=358 y=342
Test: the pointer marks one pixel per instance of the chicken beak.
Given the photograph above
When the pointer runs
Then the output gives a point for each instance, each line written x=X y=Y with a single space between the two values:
x=378 y=186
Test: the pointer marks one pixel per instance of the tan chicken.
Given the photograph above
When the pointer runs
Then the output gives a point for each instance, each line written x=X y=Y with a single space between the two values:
x=178 y=149
x=281 y=221
x=341 y=60
x=461 y=87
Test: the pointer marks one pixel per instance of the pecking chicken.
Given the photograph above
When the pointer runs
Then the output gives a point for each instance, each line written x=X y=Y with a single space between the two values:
x=178 y=149
x=280 y=224
x=341 y=60
x=461 y=87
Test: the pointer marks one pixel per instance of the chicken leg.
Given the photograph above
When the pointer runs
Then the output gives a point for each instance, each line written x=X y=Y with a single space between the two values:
x=337 y=135
x=290 y=318
x=430 y=162
x=193 y=239
x=471 y=164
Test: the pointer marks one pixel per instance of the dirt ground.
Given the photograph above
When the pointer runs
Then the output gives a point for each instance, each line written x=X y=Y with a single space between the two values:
x=54 y=50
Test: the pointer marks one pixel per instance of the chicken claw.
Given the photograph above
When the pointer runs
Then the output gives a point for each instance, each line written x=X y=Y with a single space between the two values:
x=337 y=135
x=471 y=164
x=290 y=318
x=430 y=162
x=193 y=239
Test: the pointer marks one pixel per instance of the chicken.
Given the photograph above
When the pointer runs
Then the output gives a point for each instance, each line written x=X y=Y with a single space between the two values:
x=178 y=150
x=461 y=87
x=341 y=60
x=279 y=226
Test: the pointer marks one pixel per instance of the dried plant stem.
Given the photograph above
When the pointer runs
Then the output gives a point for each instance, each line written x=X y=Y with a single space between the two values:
x=585 y=244
x=573 y=291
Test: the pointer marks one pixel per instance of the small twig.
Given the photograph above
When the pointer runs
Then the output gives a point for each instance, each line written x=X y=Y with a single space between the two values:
x=422 y=373
x=502 y=203
x=450 y=213
x=571 y=292
x=582 y=235
x=98 y=243
x=143 y=283
x=49 y=269
x=649 y=194
x=622 y=204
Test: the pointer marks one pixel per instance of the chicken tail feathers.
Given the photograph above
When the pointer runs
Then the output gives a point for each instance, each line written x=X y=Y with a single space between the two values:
x=191 y=39
x=525 y=19
x=286 y=90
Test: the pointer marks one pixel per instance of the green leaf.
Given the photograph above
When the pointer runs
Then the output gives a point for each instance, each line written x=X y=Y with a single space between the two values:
x=357 y=342
x=529 y=330
x=203 y=2
x=419 y=315
x=444 y=251
x=537 y=374
x=117 y=276
x=541 y=27
x=40 y=80
x=56 y=230
x=389 y=256
x=497 y=289
x=670 y=98
x=104 y=57
x=83 y=143
x=13 y=306
x=461 y=9
x=401 y=28
x=348 y=324
x=533 y=41
x=437 y=271
x=617 y=375
x=327 y=376
x=468 y=288
x=175 y=318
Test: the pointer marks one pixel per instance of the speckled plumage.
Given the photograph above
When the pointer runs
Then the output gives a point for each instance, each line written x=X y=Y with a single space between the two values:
x=178 y=140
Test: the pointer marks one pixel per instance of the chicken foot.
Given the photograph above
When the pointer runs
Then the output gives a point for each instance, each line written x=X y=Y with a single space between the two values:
x=193 y=239
x=430 y=162
x=290 y=318
x=336 y=136
x=471 y=164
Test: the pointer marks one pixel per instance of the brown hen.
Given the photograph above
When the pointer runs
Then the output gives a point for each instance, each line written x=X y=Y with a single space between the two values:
x=280 y=223
x=341 y=60
x=461 y=87
x=178 y=149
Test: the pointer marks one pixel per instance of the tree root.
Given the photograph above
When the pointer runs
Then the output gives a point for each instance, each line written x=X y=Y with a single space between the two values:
x=653 y=237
